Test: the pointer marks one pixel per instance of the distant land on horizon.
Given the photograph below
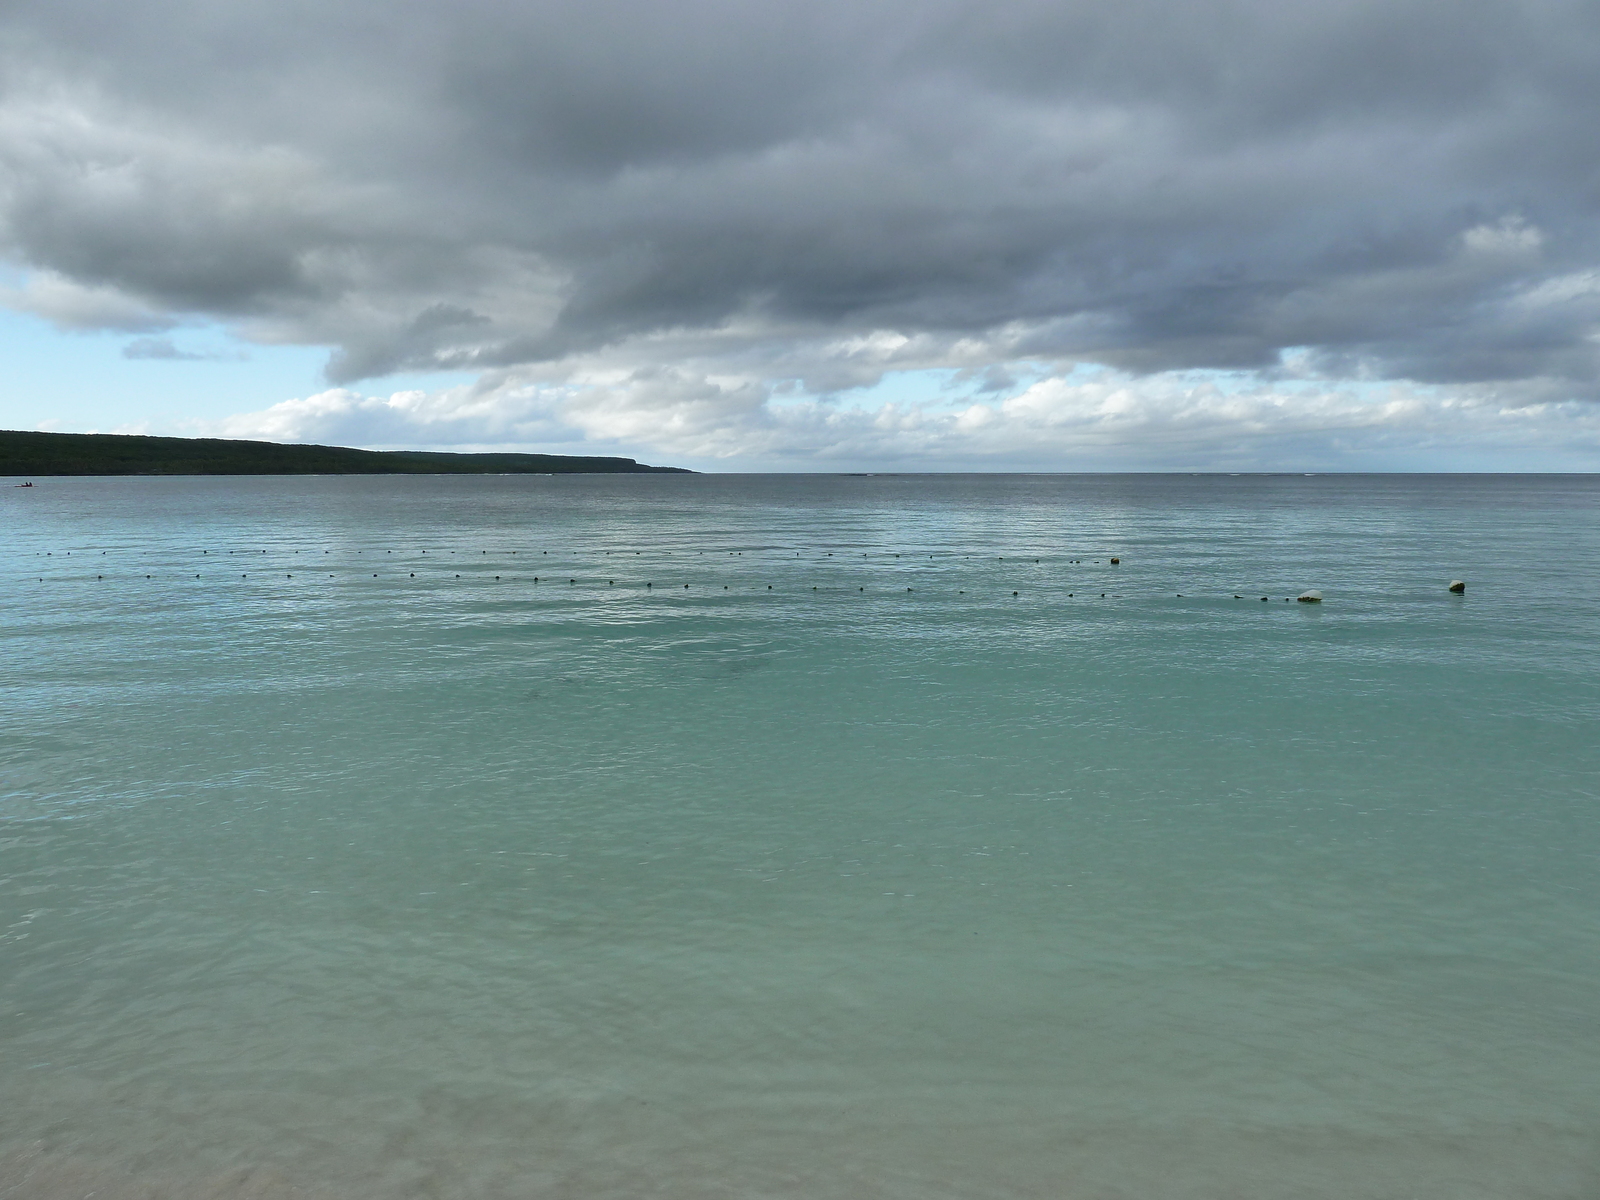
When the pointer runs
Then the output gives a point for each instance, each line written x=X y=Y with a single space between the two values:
x=41 y=454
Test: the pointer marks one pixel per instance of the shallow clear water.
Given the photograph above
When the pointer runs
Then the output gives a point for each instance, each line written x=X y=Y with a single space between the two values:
x=332 y=865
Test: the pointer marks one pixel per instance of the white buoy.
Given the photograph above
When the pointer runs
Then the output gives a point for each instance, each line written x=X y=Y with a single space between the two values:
x=1309 y=597
x=1458 y=586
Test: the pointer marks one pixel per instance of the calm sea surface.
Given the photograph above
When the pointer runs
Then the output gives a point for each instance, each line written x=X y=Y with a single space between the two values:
x=805 y=838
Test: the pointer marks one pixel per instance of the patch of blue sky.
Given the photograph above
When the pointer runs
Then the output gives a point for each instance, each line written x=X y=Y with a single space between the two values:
x=168 y=382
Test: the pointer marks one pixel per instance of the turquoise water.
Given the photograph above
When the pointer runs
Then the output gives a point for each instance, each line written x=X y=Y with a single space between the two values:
x=332 y=865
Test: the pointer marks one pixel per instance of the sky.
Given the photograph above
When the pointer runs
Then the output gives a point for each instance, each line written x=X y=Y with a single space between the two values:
x=874 y=234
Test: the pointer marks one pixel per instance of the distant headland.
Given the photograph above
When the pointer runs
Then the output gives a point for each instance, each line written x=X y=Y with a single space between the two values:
x=26 y=453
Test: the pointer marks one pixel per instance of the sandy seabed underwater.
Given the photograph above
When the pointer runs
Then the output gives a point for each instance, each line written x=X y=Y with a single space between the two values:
x=748 y=837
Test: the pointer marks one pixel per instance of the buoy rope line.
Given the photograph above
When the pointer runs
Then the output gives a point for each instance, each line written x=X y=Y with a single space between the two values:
x=1455 y=587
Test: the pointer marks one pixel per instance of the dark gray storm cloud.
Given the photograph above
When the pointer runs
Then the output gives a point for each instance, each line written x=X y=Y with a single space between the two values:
x=1405 y=189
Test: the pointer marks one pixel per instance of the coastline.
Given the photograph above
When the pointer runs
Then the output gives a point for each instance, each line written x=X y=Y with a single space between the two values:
x=25 y=454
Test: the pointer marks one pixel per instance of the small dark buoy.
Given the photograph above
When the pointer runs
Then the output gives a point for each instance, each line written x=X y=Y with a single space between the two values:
x=1115 y=561
x=1263 y=599
x=611 y=583
x=649 y=585
x=572 y=581
x=813 y=587
x=458 y=577
x=497 y=578
x=908 y=589
x=1180 y=595
x=1312 y=597
x=686 y=587
x=1013 y=593
x=413 y=574
x=1458 y=586
x=861 y=589
x=1236 y=596
x=769 y=587
x=102 y=577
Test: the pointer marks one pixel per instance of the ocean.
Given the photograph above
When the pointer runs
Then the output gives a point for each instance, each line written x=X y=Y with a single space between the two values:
x=824 y=837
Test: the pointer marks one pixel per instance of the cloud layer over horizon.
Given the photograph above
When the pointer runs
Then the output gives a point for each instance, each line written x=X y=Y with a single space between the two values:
x=692 y=227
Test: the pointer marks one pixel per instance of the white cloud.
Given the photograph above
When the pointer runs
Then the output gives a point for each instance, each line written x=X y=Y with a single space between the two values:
x=70 y=305
x=700 y=413
x=1510 y=237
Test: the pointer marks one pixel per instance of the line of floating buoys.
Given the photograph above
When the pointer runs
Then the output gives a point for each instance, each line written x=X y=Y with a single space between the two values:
x=1311 y=596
